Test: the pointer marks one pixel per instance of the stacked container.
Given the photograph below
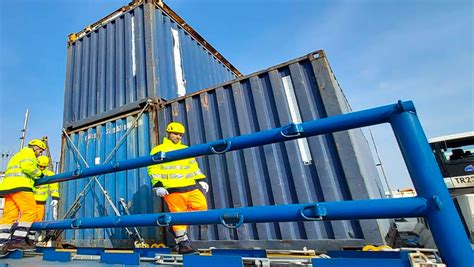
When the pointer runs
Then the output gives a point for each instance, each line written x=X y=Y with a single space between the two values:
x=106 y=99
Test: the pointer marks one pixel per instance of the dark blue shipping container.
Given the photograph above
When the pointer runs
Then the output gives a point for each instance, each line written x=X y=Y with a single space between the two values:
x=330 y=167
x=95 y=144
x=140 y=51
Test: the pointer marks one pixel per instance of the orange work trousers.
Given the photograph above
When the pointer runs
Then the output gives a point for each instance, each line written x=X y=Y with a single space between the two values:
x=19 y=207
x=39 y=212
x=187 y=201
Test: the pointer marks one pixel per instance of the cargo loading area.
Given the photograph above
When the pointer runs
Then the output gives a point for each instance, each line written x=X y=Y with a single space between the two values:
x=285 y=170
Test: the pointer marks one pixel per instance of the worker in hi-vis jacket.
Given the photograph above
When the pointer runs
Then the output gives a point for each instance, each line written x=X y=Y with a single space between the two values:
x=179 y=183
x=42 y=191
x=19 y=211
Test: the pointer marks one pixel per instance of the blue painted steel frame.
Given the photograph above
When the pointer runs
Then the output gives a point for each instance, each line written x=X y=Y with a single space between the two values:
x=433 y=201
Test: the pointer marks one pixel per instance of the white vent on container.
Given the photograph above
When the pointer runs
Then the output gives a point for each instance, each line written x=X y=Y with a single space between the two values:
x=296 y=118
x=134 y=60
x=178 y=68
x=97 y=160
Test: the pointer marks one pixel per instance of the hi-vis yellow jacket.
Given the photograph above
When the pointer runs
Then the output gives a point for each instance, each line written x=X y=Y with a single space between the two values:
x=42 y=191
x=20 y=173
x=180 y=173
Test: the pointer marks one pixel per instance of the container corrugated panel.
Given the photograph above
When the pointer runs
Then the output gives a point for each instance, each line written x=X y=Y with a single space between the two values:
x=95 y=144
x=133 y=54
x=331 y=167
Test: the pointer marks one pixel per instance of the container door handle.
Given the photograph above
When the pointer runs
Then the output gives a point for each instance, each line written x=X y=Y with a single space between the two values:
x=232 y=221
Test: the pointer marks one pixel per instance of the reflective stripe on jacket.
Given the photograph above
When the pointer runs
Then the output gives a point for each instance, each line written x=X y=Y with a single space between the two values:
x=180 y=173
x=42 y=191
x=20 y=173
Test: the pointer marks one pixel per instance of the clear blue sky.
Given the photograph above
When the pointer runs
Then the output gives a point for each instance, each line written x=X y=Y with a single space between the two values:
x=380 y=51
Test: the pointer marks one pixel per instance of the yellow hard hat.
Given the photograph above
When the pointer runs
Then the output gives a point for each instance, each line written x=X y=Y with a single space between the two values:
x=43 y=161
x=38 y=143
x=175 y=127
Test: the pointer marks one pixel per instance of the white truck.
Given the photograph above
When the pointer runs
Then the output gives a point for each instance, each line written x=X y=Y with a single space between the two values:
x=455 y=157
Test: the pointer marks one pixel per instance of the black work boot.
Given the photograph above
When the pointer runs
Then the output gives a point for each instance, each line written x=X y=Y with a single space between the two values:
x=19 y=237
x=5 y=236
x=184 y=247
x=31 y=238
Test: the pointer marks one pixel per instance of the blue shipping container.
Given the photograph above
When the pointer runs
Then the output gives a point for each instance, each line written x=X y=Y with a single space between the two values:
x=142 y=50
x=97 y=144
x=331 y=167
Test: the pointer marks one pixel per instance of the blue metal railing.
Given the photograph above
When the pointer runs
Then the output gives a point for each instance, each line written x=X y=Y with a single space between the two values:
x=433 y=201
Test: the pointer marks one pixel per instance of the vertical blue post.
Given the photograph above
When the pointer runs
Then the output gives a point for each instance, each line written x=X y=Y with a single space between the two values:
x=443 y=219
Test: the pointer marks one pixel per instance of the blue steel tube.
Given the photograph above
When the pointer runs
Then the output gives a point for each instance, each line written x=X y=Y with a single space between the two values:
x=443 y=219
x=341 y=210
x=293 y=131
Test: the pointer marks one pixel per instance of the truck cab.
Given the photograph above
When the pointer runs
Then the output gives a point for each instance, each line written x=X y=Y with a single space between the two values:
x=455 y=156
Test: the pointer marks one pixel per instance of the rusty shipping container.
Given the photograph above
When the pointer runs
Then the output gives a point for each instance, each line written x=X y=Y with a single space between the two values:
x=330 y=167
x=140 y=51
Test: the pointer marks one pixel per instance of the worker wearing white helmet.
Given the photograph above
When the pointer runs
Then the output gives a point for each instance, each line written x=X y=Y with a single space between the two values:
x=179 y=182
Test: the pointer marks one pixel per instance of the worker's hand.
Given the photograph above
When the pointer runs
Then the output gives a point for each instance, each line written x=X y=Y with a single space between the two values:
x=54 y=203
x=160 y=191
x=204 y=186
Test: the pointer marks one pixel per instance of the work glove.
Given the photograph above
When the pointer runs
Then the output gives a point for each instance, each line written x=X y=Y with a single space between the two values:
x=160 y=191
x=204 y=186
x=54 y=203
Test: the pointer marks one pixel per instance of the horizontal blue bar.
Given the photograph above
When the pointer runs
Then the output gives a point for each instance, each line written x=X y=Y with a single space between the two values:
x=248 y=253
x=61 y=256
x=341 y=210
x=220 y=260
x=293 y=131
x=359 y=262
x=120 y=258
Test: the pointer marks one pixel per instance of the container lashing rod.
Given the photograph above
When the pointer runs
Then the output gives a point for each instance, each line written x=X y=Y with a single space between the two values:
x=102 y=189
x=76 y=205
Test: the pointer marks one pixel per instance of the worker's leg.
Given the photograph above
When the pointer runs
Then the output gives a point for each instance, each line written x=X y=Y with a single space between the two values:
x=10 y=215
x=40 y=209
x=10 y=211
x=196 y=200
x=40 y=212
x=25 y=201
x=177 y=203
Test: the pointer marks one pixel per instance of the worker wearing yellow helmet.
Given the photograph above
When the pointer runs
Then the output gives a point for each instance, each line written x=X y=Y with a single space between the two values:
x=42 y=191
x=179 y=182
x=20 y=206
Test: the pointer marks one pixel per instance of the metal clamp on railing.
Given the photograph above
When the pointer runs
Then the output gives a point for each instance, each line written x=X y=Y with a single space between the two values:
x=76 y=224
x=291 y=130
x=158 y=157
x=117 y=221
x=77 y=172
x=437 y=202
x=115 y=164
x=163 y=220
x=318 y=211
x=232 y=221
x=220 y=147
